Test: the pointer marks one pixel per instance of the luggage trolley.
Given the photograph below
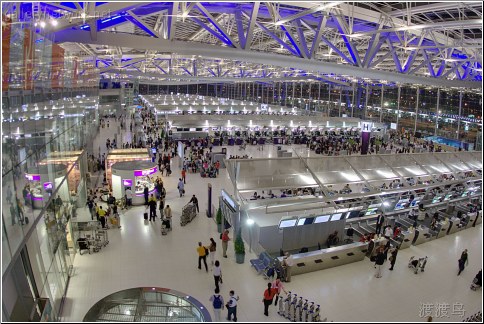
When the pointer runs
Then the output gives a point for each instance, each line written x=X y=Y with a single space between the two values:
x=102 y=238
x=189 y=212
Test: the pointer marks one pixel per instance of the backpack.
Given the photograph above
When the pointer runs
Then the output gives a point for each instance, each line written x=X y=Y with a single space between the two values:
x=217 y=302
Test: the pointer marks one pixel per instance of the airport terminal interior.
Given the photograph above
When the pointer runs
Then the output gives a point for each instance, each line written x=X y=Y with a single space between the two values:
x=242 y=161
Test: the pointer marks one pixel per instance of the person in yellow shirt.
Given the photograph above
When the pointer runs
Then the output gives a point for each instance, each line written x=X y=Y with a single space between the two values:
x=102 y=216
x=202 y=255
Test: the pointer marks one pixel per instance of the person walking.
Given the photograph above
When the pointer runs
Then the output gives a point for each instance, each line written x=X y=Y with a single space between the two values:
x=463 y=261
x=232 y=306
x=202 y=255
x=161 y=206
x=181 y=187
x=90 y=205
x=278 y=286
x=194 y=200
x=183 y=175
x=218 y=304
x=379 y=260
x=225 y=242
x=167 y=214
x=152 y=204
x=102 y=216
x=217 y=274
x=393 y=257
x=212 y=248
x=268 y=296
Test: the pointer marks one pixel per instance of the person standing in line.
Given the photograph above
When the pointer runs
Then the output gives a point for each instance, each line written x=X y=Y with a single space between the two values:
x=145 y=193
x=379 y=260
x=152 y=204
x=463 y=261
x=194 y=200
x=183 y=175
x=181 y=187
x=393 y=257
x=202 y=255
x=161 y=207
x=218 y=304
x=167 y=214
x=212 y=248
x=129 y=197
x=232 y=306
x=278 y=286
x=225 y=242
x=217 y=274
x=268 y=296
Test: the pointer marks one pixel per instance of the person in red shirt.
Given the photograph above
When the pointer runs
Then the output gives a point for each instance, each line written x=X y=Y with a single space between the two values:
x=217 y=166
x=268 y=296
x=184 y=174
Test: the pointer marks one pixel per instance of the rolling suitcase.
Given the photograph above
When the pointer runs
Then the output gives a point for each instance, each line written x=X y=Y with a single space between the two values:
x=145 y=215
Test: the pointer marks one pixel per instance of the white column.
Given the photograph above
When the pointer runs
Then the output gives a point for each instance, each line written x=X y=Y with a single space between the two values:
x=460 y=112
x=437 y=112
x=398 y=104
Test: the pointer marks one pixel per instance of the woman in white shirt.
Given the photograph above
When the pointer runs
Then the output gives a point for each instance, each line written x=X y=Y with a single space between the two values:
x=388 y=232
x=217 y=274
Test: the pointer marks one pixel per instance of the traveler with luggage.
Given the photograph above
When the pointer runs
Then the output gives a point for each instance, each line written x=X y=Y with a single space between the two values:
x=152 y=204
x=194 y=200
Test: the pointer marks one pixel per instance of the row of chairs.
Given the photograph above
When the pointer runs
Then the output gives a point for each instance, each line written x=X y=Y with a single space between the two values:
x=263 y=263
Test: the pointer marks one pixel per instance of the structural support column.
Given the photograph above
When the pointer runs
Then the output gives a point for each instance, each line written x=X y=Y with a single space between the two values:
x=339 y=104
x=416 y=111
x=381 y=101
x=460 y=112
x=398 y=104
x=437 y=113
x=366 y=102
x=285 y=94
x=329 y=99
x=293 y=92
x=353 y=100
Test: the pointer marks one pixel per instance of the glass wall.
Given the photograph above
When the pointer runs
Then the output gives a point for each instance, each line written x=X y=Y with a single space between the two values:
x=49 y=108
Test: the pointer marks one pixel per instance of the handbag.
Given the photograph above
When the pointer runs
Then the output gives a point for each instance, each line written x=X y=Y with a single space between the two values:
x=207 y=253
x=221 y=281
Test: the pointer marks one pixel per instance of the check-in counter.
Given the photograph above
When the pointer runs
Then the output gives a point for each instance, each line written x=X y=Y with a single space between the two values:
x=422 y=235
x=327 y=258
x=471 y=219
x=407 y=238
x=443 y=227
x=454 y=225
x=479 y=218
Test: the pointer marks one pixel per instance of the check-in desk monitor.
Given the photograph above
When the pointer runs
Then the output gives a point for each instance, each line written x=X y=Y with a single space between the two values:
x=287 y=222
x=322 y=219
x=305 y=221
x=436 y=199
x=401 y=204
x=465 y=193
x=415 y=202
x=447 y=197
x=372 y=210
x=336 y=217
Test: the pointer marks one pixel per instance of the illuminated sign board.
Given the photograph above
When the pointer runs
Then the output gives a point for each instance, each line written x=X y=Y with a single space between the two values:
x=140 y=173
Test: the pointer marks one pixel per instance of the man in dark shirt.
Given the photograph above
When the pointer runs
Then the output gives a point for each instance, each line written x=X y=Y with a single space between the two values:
x=152 y=204
x=194 y=200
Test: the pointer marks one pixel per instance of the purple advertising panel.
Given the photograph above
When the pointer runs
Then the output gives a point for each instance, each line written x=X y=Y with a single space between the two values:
x=139 y=173
x=48 y=186
x=127 y=182
x=32 y=177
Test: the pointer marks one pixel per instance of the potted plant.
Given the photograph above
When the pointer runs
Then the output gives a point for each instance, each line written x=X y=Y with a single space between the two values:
x=239 y=248
x=218 y=220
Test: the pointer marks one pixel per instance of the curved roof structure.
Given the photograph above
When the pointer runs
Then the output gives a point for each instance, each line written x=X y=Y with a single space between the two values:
x=419 y=43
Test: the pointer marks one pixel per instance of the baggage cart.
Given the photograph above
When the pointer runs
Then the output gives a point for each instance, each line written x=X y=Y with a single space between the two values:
x=189 y=212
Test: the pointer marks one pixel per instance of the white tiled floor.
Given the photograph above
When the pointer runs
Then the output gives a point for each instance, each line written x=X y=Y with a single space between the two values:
x=138 y=255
